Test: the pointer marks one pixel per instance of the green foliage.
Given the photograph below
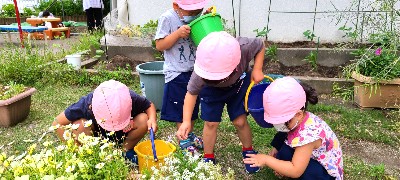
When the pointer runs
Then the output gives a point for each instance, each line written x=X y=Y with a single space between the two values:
x=10 y=90
x=349 y=32
x=347 y=94
x=312 y=59
x=271 y=52
x=28 y=12
x=262 y=33
x=71 y=7
x=8 y=10
x=309 y=35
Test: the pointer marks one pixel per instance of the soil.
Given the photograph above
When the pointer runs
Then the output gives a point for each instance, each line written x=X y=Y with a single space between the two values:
x=312 y=44
x=274 y=67
x=119 y=61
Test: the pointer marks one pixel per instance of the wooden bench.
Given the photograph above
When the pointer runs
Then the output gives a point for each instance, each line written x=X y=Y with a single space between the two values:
x=51 y=33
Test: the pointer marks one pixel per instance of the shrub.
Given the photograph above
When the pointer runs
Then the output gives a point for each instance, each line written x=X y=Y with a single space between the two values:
x=8 y=10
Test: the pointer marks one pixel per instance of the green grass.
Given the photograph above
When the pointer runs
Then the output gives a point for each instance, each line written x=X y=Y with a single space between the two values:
x=351 y=123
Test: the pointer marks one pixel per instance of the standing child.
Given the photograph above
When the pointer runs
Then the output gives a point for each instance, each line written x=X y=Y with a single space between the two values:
x=172 y=37
x=222 y=74
x=116 y=112
x=301 y=135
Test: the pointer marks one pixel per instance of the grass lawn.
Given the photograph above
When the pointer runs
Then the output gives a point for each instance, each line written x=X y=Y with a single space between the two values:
x=376 y=126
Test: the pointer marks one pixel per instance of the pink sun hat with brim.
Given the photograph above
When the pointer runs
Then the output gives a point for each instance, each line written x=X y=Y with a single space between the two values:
x=217 y=55
x=282 y=99
x=191 y=4
x=112 y=105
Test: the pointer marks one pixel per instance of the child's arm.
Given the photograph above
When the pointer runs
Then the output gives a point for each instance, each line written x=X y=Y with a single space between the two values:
x=151 y=113
x=292 y=169
x=170 y=40
x=257 y=75
x=188 y=106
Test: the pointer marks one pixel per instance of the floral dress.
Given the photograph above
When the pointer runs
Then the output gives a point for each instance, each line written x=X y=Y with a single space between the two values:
x=329 y=154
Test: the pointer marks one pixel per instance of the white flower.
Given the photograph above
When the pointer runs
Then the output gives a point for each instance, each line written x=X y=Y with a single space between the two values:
x=60 y=148
x=48 y=177
x=108 y=157
x=111 y=133
x=24 y=177
x=53 y=128
x=67 y=135
x=49 y=153
x=59 y=165
x=61 y=178
x=99 y=166
x=87 y=123
x=47 y=143
x=75 y=126
x=70 y=169
x=68 y=126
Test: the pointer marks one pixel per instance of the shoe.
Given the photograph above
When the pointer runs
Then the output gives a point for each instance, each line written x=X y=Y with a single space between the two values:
x=187 y=146
x=249 y=169
x=131 y=156
x=209 y=160
x=197 y=141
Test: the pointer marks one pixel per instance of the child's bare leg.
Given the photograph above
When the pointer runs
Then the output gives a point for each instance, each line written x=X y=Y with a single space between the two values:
x=138 y=131
x=243 y=130
x=209 y=136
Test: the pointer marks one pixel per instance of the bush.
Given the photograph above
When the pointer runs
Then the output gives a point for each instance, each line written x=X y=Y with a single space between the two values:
x=71 y=7
x=8 y=10
x=28 y=12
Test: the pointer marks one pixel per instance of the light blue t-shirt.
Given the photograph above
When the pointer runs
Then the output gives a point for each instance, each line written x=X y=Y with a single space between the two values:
x=180 y=57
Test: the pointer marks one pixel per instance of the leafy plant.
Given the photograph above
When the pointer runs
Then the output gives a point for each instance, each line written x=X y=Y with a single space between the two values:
x=70 y=7
x=262 y=33
x=271 y=52
x=28 y=12
x=349 y=32
x=8 y=10
x=96 y=158
x=347 y=94
x=312 y=59
x=10 y=90
x=309 y=35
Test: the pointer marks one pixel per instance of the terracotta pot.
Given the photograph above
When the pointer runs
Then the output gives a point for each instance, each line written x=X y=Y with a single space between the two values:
x=15 y=109
x=385 y=95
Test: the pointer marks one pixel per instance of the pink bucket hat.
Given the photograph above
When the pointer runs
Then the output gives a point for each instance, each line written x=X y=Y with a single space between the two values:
x=112 y=105
x=191 y=4
x=217 y=55
x=282 y=99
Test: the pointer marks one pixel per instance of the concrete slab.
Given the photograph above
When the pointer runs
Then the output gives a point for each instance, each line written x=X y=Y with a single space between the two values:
x=326 y=56
x=325 y=85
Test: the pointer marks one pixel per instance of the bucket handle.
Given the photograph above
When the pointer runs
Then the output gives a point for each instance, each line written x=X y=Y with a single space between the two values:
x=153 y=146
x=246 y=98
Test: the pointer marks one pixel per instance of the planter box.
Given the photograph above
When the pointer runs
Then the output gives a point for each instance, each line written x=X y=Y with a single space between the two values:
x=385 y=95
x=15 y=109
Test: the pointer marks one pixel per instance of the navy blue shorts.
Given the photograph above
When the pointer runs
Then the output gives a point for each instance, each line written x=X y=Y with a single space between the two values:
x=213 y=100
x=174 y=95
x=314 y=169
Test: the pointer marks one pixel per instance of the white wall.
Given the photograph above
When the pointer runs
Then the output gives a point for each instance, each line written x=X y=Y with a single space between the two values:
x=252 y=14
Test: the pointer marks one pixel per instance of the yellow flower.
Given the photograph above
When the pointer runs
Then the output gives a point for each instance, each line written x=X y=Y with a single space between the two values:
x=31 y=148
x=295 y=141
x=18 y=171
x=89 y=151
x=87 y=123
x=111 y=133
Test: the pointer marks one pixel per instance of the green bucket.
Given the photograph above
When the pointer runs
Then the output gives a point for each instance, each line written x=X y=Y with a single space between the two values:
x=205 y=25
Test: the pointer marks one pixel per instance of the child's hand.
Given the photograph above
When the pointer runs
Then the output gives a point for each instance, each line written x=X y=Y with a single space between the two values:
x=255 y=160
x=273 y=152
x=183 y=31
x=183 y=131
x=257 y=76
x=152 y=123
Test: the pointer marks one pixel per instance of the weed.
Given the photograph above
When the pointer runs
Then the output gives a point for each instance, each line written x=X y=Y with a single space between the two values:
x=271 y=52
x=309 y=35
x=263 y=33
x=312 y=59
x=347 y=94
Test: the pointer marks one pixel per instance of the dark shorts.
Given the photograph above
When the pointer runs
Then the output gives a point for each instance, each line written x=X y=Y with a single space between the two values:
x=174 y=95
x=314 y=169
x=213 y=100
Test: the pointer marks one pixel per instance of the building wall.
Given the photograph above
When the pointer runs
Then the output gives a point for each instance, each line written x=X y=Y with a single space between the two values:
x=288 y=19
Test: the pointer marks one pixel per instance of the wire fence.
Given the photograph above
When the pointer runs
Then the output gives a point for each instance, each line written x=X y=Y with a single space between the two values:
x=361 y=17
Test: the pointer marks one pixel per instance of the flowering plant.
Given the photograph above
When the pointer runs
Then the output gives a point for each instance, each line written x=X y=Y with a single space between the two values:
x=95 y=158
x=185 y=166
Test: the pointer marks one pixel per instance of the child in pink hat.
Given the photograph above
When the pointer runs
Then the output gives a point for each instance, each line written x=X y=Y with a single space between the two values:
x=172 y=37
x=115 y=112
x=301 y=135
x=221 y=76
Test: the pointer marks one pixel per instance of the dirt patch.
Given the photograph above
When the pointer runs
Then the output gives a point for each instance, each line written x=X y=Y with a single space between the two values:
x=373 y=153
x=117 y=62
x=274 y=67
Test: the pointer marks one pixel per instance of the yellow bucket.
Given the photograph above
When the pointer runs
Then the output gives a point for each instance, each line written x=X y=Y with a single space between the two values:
x=145 y=153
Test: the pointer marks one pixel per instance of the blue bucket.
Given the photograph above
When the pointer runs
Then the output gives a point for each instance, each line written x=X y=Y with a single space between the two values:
x=255 y=105
x=254 y=99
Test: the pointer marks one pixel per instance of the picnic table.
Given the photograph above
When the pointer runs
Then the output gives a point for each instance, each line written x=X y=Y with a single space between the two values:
x=27 y=29
x=55 y=30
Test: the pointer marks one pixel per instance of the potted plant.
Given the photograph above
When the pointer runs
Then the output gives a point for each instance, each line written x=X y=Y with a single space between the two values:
x=376 y=72
x=15 y=102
